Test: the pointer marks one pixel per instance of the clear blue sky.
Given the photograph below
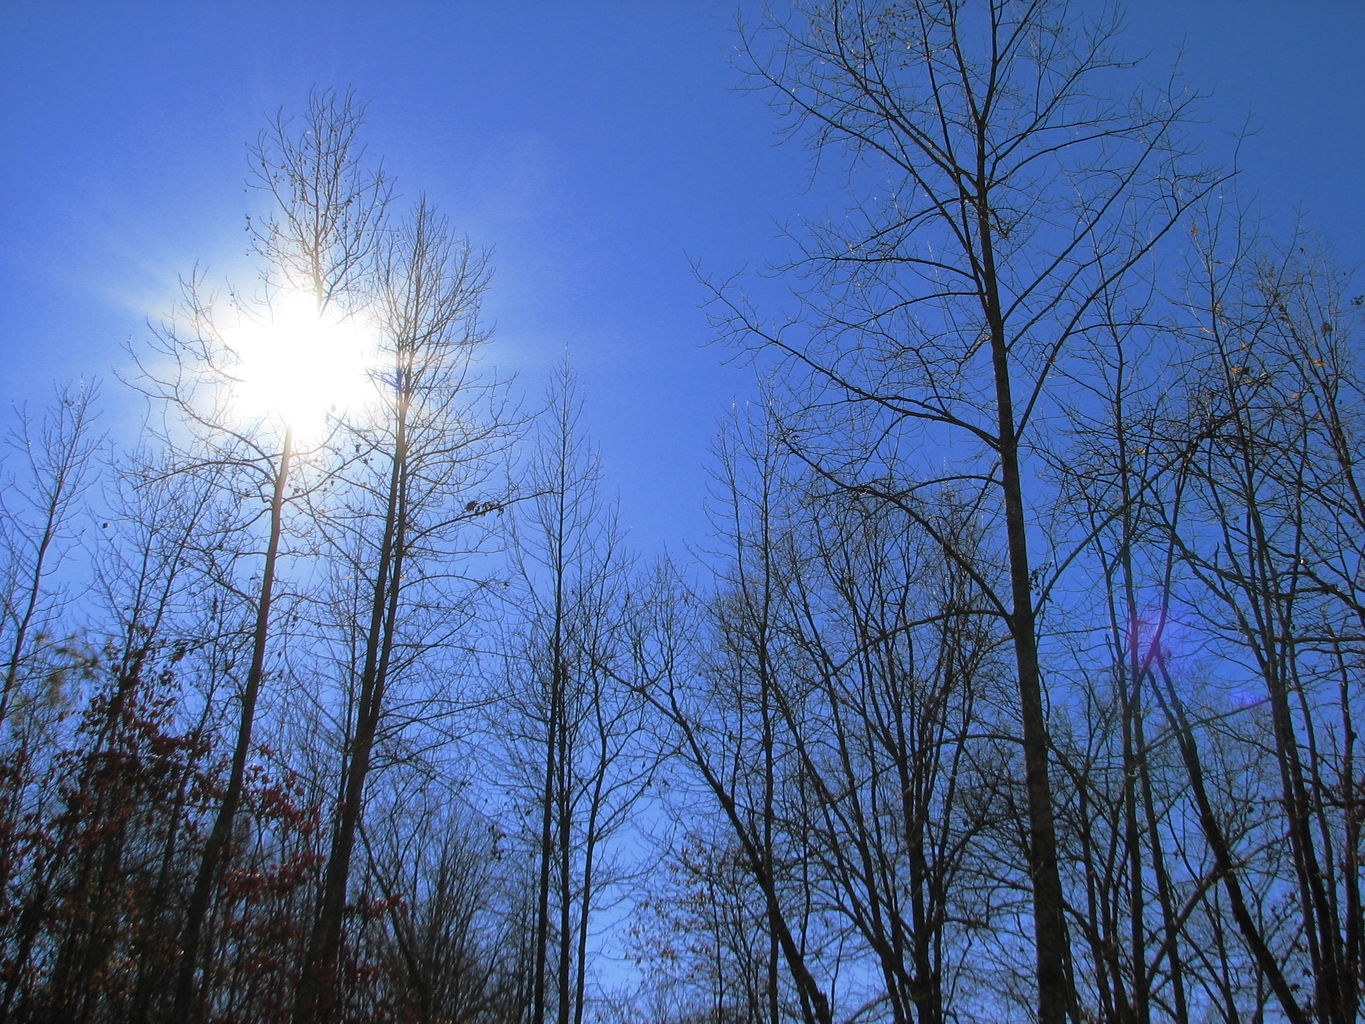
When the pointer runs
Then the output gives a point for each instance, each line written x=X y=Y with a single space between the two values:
x=594 y=146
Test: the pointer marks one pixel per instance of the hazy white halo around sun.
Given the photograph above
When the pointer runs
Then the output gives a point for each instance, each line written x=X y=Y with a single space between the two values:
x=298 y=365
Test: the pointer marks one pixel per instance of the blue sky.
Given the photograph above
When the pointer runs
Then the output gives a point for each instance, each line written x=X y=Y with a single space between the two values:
x=594 y=146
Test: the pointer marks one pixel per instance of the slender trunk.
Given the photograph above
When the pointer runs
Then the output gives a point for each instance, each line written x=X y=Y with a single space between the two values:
x=555 y=749
x=317 y=996
x=542 y=943
x=1056 y=993
x=769 y=761
x=1132 y=837
x=590 y=840
x=188 y=1001
x=1130 y=690
x=585 y=899
x=564 y=813
x=924 y=988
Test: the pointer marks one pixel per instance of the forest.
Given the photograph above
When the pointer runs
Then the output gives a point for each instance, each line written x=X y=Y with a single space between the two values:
x=1017 y=682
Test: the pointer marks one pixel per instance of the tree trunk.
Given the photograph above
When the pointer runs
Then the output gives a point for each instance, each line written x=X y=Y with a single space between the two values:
x=188 y=996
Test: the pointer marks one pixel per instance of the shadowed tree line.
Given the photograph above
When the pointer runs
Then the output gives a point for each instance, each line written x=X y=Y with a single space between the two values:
x=1017 y=681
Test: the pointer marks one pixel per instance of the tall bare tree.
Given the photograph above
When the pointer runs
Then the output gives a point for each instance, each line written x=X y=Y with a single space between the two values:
x=579 y=737
x=417 y=478
x=318 y=240
x=1000 y=184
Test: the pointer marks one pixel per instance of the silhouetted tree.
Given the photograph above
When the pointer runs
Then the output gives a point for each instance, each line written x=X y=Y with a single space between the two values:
x=997 y=194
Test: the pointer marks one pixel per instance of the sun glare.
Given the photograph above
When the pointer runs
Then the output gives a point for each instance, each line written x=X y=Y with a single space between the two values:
x=298 y=365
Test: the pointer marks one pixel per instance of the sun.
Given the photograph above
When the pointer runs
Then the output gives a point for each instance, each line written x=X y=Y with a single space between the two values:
x=292 y=363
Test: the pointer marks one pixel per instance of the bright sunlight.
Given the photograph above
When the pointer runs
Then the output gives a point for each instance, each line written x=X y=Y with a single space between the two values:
x=300 y=365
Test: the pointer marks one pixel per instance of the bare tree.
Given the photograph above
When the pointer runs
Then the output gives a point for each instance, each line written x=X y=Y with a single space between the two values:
x=997 y=193
x=416 y=479
x=734 y=715
x=57 y=456
x=839 y=721
x=1266 y=530
x=578 y=745
x=317 y=241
